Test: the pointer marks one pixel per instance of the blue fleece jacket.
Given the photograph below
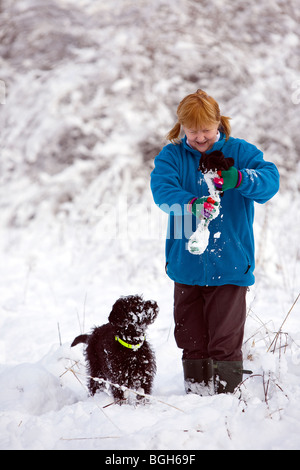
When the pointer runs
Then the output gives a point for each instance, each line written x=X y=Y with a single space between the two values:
x=229 y=257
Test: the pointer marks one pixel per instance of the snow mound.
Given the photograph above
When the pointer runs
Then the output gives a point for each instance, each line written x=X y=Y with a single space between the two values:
x=31 y=388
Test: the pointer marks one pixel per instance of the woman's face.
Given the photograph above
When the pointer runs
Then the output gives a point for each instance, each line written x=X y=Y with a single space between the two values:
x=201 y=139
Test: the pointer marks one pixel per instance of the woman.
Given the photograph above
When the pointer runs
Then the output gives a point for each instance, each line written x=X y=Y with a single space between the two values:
x=210 y=288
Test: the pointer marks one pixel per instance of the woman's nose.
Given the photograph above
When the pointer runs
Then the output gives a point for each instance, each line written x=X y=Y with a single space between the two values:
x=200 y=137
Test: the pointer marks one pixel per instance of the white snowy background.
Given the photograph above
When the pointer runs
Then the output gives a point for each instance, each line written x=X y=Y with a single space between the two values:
x=88 y=91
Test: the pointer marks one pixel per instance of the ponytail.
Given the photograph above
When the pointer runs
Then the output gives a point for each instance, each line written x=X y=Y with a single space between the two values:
x=225 y=126
x=173 y=135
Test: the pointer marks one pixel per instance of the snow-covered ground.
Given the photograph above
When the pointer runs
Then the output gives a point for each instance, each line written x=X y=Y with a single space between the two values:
x=89 y=89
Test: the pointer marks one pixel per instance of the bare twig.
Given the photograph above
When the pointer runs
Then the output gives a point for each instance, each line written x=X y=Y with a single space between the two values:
x=84 y=305
x=279 y=331
x=59 y=335
x=88 y=438
x=124 y=388
x=121 y=387
x=78 y=319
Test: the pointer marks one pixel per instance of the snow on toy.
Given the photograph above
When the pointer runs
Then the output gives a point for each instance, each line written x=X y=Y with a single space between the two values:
x=211 y=166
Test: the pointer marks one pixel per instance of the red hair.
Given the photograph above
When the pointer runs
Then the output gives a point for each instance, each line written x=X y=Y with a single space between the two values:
x=197 y=111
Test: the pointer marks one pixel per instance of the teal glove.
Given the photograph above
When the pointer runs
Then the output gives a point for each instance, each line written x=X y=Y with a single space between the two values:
x=228 y=179
x=203 y=207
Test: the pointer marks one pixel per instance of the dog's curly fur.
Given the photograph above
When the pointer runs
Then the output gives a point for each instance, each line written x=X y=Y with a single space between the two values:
x=115 y=363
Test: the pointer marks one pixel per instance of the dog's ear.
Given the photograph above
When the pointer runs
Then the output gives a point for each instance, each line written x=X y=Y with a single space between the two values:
x=151 y=311
x=116 y=315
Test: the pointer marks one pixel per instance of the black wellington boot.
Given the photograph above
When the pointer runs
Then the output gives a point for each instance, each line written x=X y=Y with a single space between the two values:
x=199 y=376
x=228 y=375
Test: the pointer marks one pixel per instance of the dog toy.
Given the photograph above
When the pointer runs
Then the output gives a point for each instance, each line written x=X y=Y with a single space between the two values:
x=210 y=165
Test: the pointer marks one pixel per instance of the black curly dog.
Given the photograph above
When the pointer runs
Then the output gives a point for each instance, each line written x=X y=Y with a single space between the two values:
x=118 y=351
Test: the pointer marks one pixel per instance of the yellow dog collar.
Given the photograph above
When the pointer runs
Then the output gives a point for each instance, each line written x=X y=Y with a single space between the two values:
x=135 y=347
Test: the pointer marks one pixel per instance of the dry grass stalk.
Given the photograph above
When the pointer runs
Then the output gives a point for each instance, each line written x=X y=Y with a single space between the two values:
x=279 y=332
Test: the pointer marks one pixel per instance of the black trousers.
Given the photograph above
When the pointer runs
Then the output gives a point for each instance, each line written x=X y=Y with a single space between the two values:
x=210 y=321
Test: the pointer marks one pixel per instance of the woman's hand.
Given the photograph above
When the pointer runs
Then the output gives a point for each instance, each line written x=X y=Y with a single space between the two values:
x=228 y=179
x=203 y=207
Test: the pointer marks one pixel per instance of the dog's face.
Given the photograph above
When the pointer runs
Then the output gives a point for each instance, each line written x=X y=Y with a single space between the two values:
x=131 y=315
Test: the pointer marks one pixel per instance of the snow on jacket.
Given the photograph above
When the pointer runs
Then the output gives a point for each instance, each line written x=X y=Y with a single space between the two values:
x=229 y=257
